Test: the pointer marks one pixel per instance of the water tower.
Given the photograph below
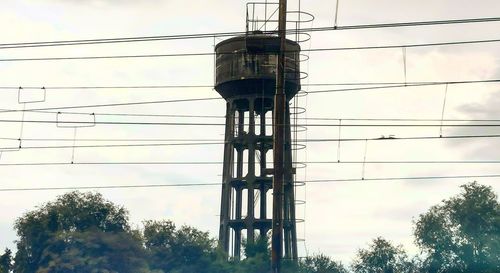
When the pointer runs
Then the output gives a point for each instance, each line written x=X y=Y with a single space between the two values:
x=246 y=79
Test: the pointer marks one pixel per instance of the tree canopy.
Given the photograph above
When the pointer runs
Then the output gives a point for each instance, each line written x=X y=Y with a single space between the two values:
x=83 y=232
x=382 y=257
x=76 y=233
x=178 y=250
x=462 y=234
x=6 y=261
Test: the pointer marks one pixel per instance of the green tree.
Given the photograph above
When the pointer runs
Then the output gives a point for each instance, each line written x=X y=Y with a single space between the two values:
x=257 y=256
x=178 y=250
x=6 y=261
x=462 y=234
x=382 y=257
x=94 y=251
x=76 y=233
x=320 y=264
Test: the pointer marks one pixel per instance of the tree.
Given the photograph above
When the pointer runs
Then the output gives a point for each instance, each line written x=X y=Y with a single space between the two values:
x=320 y=264
x=382 y=257
x=6 y=261
x=79 y=232
x=257 y=257
x=178 y=250
x=94 y=251
x=462 y=234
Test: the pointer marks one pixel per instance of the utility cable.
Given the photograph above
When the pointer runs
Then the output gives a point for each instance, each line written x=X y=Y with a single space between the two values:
x=113 y=104
x=209 y=99
x=239 y=53
x=116 y=87
x=228 y=34
x=221 y=142
x=383 y=138
x=119 y=145
x=222 y=124
x=194 y=163
x=312 y=182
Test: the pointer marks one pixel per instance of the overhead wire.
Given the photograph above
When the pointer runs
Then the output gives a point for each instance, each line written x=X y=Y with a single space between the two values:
x=205 y=142
x=220 y=163
x=75 y=123
x=114 y=87
x=422 y=84
x=235 y=33
x=239 y=53
x=111 y=104
x=117 y=145
x=312 y=182
x=382 y=138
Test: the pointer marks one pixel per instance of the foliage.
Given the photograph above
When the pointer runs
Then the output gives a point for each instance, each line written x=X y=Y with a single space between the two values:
x=94 y=251
x=83 y=232
x=57 y=229
x=6 y=261
x=381 y=257
x=320 y=264
x=463 y=233
x=258 y=257
x=178 y=250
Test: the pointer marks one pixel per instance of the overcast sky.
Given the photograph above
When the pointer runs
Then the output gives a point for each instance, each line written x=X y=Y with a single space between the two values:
x=339 y=217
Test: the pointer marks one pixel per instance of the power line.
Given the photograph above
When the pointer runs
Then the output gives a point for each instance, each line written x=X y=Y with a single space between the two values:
x=239 y=53
x=209 y=99
x=112 y=87
x=393 y=138
x=401 y=86
x=401 y=178
x=214 y=140
x=111 y=139
x=222 y=124
x=319 y=181
x=228 y=34
x=223 y=117
x=109 y=87
x=110 y=104
x=219 y=163
x=189 y=143
x=148 y=86
x=117 y=145
x=112 y=187
x=407 y=162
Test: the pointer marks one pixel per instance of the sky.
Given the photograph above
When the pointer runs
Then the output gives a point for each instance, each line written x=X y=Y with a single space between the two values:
x=340 y=217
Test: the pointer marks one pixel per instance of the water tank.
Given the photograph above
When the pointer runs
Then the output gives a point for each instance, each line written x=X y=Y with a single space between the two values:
x=246 y=65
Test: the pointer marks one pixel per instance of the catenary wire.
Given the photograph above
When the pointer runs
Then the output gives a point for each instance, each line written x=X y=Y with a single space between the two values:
x=113 y=87
x=319 y=181
x=220 y=163
x=383 y=138
x=81 y=123
x=238 y=53
x=111 y=104
x=228 y=34
x=218 y=98
x=188 y=143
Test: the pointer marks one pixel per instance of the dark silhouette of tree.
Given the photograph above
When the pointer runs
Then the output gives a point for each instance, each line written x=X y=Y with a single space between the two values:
x=6 y=261
x=462 y=234
x=94 y=251
x=183 y=250
x=83 y=232
x=257 y=256
x=382 y=257
x=320 y=264
x=79 y=232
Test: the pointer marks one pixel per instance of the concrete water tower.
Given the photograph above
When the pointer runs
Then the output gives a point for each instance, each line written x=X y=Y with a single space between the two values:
x=246 y=79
